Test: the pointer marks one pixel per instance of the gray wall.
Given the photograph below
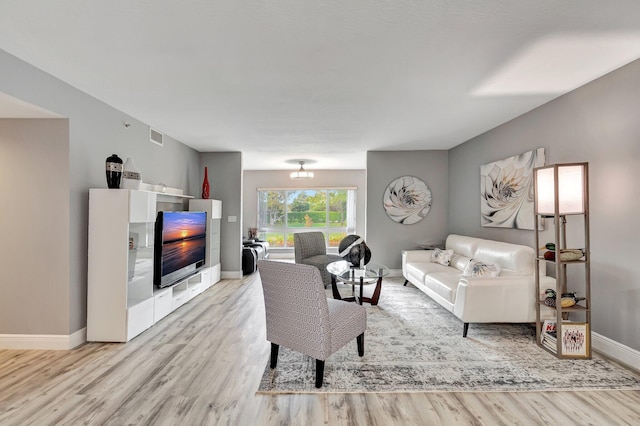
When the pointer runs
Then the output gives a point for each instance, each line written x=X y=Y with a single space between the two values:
x=95 y=132
x=225 y=182
x=34 y=224
x=598 y=123
x=387 y=238
x=254 y=179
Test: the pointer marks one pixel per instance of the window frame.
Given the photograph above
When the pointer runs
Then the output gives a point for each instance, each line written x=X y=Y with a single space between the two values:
x=287 y=231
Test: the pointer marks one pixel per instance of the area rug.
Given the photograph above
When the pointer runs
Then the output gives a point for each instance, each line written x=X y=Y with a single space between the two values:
x=412 y=344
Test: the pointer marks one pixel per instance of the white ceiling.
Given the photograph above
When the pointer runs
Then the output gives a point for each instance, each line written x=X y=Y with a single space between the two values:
x=325 y=80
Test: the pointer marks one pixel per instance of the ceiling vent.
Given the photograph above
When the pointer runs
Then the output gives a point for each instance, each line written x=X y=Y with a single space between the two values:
x=156 y=136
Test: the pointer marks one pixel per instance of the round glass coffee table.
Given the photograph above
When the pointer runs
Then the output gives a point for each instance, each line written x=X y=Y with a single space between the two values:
x=344 y=271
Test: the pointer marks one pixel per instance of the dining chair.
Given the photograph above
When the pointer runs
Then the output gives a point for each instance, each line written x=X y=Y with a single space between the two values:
x=300 y=317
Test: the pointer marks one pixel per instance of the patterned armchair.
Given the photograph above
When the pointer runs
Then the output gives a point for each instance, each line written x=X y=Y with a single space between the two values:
x=310 y=248
x=300 y=317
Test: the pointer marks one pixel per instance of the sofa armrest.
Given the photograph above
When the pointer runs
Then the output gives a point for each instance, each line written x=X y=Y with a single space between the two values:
x=418 y=256
x=496 y=299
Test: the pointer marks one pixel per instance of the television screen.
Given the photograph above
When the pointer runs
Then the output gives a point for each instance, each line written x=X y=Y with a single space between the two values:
x=180 y=245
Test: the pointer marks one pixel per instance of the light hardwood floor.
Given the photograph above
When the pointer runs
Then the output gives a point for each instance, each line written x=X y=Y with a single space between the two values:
x=202 y=364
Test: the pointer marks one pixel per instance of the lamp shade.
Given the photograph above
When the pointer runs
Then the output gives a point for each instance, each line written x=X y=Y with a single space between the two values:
x=570 y=181
x=301 y=173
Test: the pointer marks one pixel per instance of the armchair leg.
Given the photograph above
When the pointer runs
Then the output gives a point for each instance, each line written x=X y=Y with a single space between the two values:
x=319 y=372
x=274 y=355
x=360 y=340
x=465 y=329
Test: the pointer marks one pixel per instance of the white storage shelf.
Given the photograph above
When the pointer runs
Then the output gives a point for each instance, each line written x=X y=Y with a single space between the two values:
x=213 y=208
x=122 y=301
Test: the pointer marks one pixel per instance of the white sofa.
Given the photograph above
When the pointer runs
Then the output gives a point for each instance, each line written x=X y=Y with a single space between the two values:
x=508 y=297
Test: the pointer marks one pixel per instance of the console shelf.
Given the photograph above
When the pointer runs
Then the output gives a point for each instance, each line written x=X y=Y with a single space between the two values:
x=570 y=335
x=122 y=301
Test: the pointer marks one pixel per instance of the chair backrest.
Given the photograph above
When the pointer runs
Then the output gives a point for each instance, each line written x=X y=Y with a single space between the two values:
x=296 y=307
x=307 y=244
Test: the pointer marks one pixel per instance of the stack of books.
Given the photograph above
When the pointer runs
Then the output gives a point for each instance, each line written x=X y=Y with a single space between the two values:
x=548 y=336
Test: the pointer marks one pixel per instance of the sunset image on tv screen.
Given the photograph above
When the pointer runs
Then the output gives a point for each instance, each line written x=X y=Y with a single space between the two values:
x=183 y=226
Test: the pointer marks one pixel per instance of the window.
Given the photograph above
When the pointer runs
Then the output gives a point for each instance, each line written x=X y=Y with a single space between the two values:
x=283 y=212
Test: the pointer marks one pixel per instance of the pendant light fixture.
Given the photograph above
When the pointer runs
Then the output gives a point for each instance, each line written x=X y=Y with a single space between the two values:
x=302 y=173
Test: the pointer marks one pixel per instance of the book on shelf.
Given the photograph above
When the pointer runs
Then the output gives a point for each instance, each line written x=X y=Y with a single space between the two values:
x=549 y=338
x=550 y=345
x=547 y=327
x=549 y=330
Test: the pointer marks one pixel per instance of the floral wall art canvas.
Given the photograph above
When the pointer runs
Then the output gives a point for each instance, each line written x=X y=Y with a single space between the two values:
x=407 y=200
x=506 y=191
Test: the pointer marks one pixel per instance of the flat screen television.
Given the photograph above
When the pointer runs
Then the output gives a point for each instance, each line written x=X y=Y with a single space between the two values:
x=179 y=247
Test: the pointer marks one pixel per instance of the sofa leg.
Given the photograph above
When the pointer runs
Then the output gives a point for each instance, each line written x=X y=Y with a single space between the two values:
x=319 y=372
x=360 y=340
x=274 y=355
x=406 y=282
x=465 y=329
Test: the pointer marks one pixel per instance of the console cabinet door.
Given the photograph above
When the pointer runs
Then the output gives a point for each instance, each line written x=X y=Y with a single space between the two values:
x=214 y=214
x=139 y=318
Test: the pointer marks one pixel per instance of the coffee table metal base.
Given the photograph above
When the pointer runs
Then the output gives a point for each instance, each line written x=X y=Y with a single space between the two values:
x=373 y=299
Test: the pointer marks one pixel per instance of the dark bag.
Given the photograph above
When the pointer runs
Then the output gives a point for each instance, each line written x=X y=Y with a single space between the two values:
x=249 y=259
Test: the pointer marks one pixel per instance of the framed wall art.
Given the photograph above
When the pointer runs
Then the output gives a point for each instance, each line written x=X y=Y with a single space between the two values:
x=575 y=339
x=506 y=191
x=407 y=200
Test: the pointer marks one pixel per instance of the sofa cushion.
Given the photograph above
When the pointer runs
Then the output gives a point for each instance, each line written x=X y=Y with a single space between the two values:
x=442 y=257
x=444 y=284
x=477 y=268
x=321 y=261
x=459 y=262
x=514 y=259
x=465 y=246
x=418 y=270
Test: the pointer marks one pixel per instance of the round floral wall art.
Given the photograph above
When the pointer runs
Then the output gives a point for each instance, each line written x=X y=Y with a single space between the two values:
x=407 y=200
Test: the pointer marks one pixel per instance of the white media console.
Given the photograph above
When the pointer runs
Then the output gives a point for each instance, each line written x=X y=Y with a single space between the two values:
x=122 y=301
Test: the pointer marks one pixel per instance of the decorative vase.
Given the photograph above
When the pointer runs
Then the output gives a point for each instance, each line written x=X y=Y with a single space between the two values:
x=131 y=178
x=114 y=171
x=205 y=185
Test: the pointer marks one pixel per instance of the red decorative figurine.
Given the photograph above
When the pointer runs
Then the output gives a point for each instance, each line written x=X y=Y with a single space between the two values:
x=205 y=185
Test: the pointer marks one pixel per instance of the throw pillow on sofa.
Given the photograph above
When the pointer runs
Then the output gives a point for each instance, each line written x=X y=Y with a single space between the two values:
x=442 y=257
x=476 y=268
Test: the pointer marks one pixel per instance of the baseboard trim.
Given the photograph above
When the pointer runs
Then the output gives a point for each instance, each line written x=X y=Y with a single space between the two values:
x=231 y=275
x=616 y=351
x=78 y=338
x=43 y=341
